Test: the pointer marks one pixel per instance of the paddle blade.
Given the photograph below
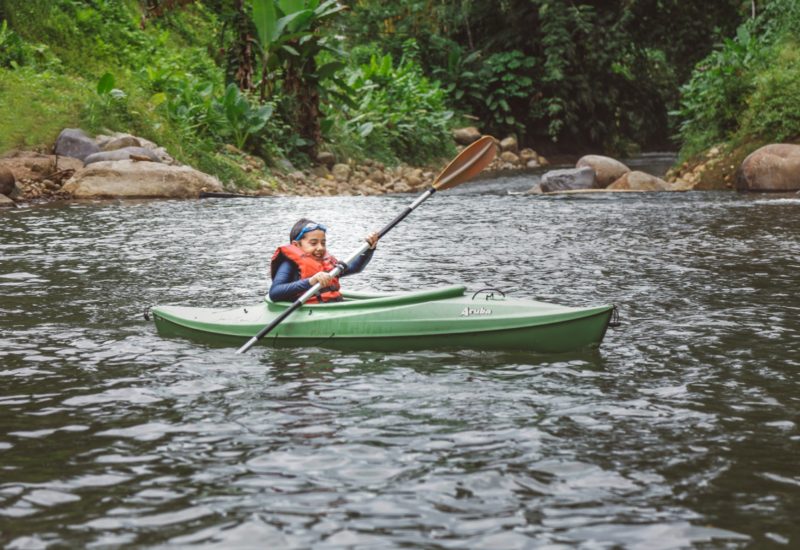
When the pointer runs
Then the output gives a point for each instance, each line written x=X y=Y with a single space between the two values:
x=467 y=164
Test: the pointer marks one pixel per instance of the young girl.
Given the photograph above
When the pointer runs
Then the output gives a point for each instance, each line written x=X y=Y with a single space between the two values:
x=298 y=266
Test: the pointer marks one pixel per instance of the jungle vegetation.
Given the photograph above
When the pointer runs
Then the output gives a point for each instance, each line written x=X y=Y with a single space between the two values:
x=389 y=79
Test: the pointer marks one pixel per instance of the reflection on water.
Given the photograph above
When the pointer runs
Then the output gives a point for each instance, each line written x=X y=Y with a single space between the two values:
x=681 y=430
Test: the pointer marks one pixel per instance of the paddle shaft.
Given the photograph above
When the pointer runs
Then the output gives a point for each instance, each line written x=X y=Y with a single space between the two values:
x=335 y=272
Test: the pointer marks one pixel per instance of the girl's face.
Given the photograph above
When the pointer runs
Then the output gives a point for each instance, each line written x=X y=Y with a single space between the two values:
x=313 y=243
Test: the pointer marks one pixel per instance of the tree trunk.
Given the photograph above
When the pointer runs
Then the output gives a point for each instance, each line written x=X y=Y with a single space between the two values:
x=305 y=95
x=242 y=58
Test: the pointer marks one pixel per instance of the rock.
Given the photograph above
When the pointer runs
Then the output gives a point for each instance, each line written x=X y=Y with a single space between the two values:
x=5 y=202
x=73 y=142
x=412 y=180
x=285 y=165
x=401 y=186
x=533 y=163
x=320 y=171
x=30 y=165
x=465 y=136
x=341 y=172
x=120 y=143
x=527 y=155
x=774 y=167
x=607 y=170
x=129 y=179
x=377 y=176
x=124 y=153
x=7 y=180
x=508 y=156
x=535 y=190
x=570 y=178
x=326 y=159
x=509 y=144
x=639 y=181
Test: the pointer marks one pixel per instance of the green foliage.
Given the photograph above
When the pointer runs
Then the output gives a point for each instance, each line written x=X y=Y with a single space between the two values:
x=773 y=108
x=240 y=119
x=13 y=50
x=398 y=113
x=715 y=97
x=746 y=88
x=36 y=105
x=601 y=74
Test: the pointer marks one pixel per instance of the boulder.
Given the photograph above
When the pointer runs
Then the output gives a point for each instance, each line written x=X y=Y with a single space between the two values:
x=5 y=202
x=774 y=167
x=607 y=170
x=509 y=144
x=465 y=136
x=639 y=181
x=570 y=178
x=73 y=142
x=129 y=179
x=125 y=153
x=121 y=142
x=7 y=180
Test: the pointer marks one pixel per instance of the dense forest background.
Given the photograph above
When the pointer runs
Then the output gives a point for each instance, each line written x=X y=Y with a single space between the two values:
x=388 y=80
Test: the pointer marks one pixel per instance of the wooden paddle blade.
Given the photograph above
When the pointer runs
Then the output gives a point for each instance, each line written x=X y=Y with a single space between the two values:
x=467 y=164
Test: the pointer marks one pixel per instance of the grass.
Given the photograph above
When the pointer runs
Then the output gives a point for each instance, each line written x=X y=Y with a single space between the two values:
x=34 y=108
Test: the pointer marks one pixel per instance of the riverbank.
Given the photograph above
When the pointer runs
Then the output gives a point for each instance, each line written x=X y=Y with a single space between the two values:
x=121 y=165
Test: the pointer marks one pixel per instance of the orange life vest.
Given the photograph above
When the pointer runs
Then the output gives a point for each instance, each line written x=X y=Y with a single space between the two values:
x=308 y=266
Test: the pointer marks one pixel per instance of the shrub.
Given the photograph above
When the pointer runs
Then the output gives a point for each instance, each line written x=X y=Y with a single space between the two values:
x=396 y=113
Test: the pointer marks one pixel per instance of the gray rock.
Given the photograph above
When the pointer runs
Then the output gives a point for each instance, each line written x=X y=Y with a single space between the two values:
x=5 y=202
x=122 y=154
x=570 y=178
x=73 y=142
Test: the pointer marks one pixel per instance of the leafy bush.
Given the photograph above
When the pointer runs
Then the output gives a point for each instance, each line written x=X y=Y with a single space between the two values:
x=773 y=109
x=396 y=113
x=748 y=86
x=713 y=100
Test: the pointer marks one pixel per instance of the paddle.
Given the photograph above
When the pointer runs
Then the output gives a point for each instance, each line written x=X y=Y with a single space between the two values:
x=466 y=165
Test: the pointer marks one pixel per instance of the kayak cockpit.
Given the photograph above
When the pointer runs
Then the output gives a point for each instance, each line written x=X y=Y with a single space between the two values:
x=360 y=300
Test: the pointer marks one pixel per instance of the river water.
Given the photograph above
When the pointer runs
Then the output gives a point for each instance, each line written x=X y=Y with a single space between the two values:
x=680 y=431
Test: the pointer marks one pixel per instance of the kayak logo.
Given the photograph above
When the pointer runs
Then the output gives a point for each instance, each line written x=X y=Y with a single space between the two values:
x=469 y=311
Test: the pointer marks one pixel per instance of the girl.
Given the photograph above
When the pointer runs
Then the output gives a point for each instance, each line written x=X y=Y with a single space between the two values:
x=298 y=266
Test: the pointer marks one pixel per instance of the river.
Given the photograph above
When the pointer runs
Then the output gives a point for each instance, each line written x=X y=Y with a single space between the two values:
x=681 y=430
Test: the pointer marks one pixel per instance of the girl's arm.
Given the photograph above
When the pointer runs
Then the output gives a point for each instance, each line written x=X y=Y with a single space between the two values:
x=286 y=285
x=358 y=265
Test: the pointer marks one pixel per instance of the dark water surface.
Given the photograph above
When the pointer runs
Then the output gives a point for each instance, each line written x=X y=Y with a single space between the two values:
x=680 y=431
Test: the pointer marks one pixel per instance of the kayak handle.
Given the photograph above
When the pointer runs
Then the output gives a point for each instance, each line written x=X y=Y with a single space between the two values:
x=490 y=294
x=614 y=322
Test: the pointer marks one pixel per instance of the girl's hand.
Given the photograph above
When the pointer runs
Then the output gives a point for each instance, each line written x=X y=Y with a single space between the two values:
x=372 y=239
x=323 y=278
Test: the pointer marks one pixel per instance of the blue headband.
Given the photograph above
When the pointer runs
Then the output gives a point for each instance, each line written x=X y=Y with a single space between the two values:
x=310 y=227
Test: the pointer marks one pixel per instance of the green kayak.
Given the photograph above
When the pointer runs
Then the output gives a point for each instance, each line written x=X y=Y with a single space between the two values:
x=440 y=318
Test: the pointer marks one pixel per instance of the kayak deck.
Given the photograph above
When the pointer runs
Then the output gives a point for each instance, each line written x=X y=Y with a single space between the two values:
x=438 y=318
